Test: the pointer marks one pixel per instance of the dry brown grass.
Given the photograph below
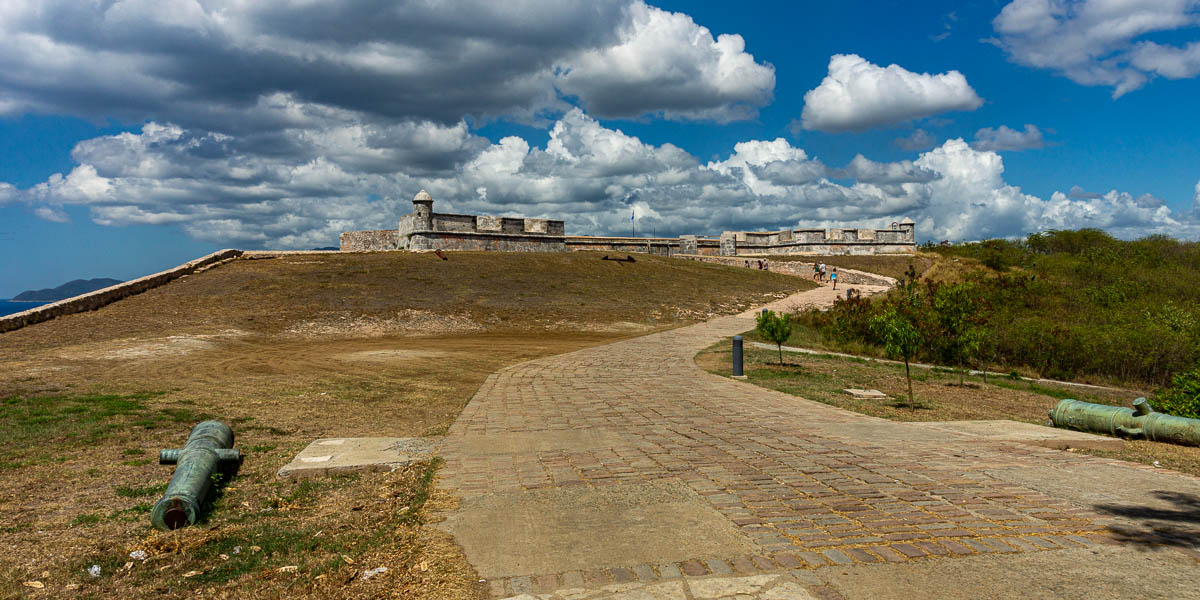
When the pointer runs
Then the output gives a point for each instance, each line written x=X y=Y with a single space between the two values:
x=287 y=350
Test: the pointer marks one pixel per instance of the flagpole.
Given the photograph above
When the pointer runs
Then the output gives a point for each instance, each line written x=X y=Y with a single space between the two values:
x=633 y=220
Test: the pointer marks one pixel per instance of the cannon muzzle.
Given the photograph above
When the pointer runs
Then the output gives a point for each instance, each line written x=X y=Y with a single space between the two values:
x=1140 y=422
x=209 y=447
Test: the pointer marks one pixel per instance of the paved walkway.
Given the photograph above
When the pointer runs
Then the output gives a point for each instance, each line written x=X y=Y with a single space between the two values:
x=625 y=471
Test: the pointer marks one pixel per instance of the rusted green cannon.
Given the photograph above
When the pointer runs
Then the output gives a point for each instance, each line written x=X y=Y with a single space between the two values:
x=209 y=448
x=1140 y=422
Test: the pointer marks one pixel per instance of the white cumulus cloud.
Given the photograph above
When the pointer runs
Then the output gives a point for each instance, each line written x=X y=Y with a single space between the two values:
x=667 y=61
x=857 y=95
x=222 y=188
x=1004 y=138
x=221 y=65
x=1100 y=42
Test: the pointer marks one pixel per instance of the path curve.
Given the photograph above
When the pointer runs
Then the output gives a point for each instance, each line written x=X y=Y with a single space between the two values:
x=625 y=471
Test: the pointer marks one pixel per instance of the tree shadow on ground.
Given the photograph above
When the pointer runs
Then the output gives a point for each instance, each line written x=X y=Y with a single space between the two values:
x=1156 y=526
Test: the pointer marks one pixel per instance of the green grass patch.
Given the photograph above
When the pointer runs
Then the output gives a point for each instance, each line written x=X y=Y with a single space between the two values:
x=126 y=491
x=69 y=422
x=86 y=519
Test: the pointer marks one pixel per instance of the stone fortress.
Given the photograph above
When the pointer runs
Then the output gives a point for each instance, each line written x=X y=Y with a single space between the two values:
x=423 y=229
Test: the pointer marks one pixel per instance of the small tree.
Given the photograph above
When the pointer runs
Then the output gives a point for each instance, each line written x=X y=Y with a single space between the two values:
x=775 y=327
x=900 y=338
x=959 y=314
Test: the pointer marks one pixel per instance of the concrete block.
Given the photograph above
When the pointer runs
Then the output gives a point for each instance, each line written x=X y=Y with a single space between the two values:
x=866 y=394
x=328 y=456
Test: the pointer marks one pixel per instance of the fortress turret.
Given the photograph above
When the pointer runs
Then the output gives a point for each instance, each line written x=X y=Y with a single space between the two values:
x=423 y=211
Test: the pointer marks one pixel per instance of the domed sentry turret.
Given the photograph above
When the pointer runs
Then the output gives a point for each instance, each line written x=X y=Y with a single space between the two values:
x=423 y=211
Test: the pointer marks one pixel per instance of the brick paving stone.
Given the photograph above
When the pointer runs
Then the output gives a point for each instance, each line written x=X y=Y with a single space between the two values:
x=744 y=565
x=693 y=568
x=837 y=557
x=932 y=548
x=622 y=575
x=887 y=554
x=909 y=550
x=497 y=589
x=977 y=545
x=788 y=561
x=719 y=567
x=763 y=563
x=521 y=585
x=572 y=579
x=861 y=555
x=545 y=583
x=645 y=573
x=669 y=571
x=812 y=558
x=595 y=578
x=1041 y=543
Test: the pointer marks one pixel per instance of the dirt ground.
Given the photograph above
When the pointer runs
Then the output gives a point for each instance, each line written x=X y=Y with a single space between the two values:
x=938 y=395
x=286 y=350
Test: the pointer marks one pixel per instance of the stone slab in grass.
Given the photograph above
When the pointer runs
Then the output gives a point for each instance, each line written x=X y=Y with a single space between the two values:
x=866 y=394
x=329 y=456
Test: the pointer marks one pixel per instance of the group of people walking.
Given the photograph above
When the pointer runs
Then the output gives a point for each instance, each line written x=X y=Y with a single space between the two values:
x=819 y=274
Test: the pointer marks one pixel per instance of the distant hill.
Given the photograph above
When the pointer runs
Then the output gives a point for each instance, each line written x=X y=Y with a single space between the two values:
x=66 y=290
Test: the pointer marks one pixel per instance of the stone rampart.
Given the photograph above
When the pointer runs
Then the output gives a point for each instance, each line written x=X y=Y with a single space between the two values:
x=108 y=295
x=424 y=229
x=496 y=242
x=659 y=246
x=379 y=239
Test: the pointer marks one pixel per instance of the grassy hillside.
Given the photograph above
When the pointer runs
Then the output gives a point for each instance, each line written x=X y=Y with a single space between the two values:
x=1065 y=304
x=287 y=350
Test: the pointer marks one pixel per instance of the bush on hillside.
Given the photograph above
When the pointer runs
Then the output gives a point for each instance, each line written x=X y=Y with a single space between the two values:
x=1182 y=398
x=1066 y=303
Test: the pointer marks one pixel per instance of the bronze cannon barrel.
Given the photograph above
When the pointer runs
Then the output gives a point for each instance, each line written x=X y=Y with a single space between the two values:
x=1139 y=422
x=209 y=446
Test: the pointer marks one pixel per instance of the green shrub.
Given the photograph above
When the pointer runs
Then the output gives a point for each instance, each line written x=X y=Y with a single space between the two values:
x=1182 y=398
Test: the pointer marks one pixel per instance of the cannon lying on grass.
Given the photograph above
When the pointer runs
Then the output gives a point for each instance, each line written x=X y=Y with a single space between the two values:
x=1140 y=422
x=209 y=448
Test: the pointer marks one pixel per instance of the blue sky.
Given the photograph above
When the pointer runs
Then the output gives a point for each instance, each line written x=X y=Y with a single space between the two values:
x=136 y=135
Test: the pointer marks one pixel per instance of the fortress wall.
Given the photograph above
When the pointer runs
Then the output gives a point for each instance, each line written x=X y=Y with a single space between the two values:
x=458 y=223
x=360 y=241
x=108 y=295
x=829 y=248
x=659 y=246
x=496 y=242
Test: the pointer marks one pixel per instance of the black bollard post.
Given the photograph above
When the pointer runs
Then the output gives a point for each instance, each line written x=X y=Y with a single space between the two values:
x=737 y=357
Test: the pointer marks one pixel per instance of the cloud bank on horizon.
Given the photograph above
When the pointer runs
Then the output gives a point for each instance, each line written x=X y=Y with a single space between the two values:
x=284 y=124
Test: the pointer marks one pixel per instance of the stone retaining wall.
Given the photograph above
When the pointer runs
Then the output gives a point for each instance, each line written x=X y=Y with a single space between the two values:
x=378 y=239
x=108 y=295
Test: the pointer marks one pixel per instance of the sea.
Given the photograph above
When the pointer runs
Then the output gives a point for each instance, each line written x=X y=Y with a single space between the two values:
x=8 y=307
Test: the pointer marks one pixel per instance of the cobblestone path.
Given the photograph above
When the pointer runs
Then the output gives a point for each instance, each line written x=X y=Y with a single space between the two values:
x=793 y=485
